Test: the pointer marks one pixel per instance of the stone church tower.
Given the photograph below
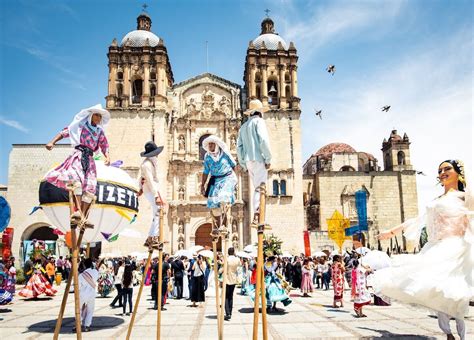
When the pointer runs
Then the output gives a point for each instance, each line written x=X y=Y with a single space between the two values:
x=396 y=152
x=271 y=76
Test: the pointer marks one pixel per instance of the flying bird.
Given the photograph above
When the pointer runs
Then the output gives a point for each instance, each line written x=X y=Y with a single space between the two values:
x=319 y=113
x=386 y=108
x=420 y=173
x=331 y=69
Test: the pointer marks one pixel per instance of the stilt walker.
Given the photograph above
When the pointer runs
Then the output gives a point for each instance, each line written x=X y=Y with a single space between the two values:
x=260 y=291
x=78 y=175
x=253 y=151
x=150 y=189
x=219 y=167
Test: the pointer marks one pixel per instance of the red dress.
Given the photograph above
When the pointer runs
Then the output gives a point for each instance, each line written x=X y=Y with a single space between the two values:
x=338 y=281
x=36 y=286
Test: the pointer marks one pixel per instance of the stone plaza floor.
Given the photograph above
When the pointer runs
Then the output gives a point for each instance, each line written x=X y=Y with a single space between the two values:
x=305 y=318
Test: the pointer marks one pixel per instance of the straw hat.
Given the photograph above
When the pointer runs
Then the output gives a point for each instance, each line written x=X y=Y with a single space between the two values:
x=255 y=105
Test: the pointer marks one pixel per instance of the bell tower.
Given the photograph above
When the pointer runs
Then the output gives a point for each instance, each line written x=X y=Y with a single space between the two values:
x=270 y=75
x=139 y=69
x=271 y=69
x=396 y=152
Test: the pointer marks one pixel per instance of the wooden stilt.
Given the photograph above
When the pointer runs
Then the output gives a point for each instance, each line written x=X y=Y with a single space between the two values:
x=224 y=239
x=215 y=239
x=65 y=296
x=137 y=302
x=260 y=286
x=160 y=277
x=75 y=273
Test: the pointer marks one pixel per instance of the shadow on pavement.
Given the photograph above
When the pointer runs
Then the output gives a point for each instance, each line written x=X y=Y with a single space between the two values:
x=386 y=334
x=98 y=322
x=249 y=310
x=5 y=310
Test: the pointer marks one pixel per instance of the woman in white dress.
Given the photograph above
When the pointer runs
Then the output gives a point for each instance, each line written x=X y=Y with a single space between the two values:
x=440 y=277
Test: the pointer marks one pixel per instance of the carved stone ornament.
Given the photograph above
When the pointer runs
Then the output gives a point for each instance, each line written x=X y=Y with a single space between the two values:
x=224 y=105
x=191 y=107
x=181 y=143
x=207 y=106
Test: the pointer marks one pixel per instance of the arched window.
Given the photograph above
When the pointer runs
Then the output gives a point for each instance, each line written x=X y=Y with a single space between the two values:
x=275 y=188
x=153 y=75
x=202 y=152
x=137 y=91
x=283 y=187
x=272 y=88
x=401 y=158
x=347 y=168
x=120 y=75
x=287 y=92
x=152 y=90
x=287 y=77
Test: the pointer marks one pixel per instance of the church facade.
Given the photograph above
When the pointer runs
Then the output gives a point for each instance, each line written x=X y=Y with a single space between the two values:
x=146 y=104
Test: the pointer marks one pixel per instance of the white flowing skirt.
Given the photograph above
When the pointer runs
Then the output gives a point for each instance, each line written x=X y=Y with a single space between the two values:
x=439 y=277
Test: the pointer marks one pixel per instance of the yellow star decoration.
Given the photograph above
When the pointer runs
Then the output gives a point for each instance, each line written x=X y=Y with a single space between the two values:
x=336 y=228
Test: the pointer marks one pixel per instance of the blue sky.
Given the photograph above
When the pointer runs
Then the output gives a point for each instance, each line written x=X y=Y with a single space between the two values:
x=413 y=55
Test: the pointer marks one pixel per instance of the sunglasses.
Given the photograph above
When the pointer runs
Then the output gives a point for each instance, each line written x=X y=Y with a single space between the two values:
x=445 y=169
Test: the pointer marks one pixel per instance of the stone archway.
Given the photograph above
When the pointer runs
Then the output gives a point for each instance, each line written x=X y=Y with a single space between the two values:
x=202 y=237
x=38 y=231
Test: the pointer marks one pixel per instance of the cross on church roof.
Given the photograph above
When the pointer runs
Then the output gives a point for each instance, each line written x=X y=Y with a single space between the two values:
x=266 y=12
x=144 y=7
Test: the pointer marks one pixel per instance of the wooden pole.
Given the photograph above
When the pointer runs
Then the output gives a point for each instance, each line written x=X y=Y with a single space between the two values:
x=88 y=250
x=260 y=286
x=160 y=277
x=216 y=274
x=261 y=222
x=137 y=302
x=65 y=296
x=224 y=239
x=74 y=269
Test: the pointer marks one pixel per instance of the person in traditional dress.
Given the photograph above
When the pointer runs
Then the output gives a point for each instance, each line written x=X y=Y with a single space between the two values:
x=440 y=276
x=106 y=279
x=253 y=150
x=306 y=281
x=338 y=270
x=37 y=284
x=87 y=136
x=87 y=286
x=149 y=186
x=362 y=296
x=274 y=290
x=6 y=296
x=219 y=165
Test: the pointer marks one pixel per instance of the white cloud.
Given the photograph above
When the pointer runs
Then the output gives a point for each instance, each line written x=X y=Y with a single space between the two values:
x=430 y=90
x=14 y=124
x=335 y=21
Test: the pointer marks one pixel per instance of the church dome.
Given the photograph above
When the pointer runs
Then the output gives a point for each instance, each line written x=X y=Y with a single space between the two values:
x=138 y=38
x=268 y=36
x=326 y=151
x=271 y=41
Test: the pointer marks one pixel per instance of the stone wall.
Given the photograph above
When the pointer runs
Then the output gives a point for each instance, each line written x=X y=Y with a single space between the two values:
x=27 y=166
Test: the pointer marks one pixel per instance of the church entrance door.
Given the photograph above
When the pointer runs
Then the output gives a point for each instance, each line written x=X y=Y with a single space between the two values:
x=203 y=236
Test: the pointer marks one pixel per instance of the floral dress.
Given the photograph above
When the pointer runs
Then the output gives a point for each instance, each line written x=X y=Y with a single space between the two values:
x=222 y=182
x=338 y=281
x=306 y=281
x=362 y=296
x=80 y=165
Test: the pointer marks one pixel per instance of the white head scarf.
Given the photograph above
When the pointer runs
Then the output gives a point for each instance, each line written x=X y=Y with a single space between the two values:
x=220 y=147
x=82 y=118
